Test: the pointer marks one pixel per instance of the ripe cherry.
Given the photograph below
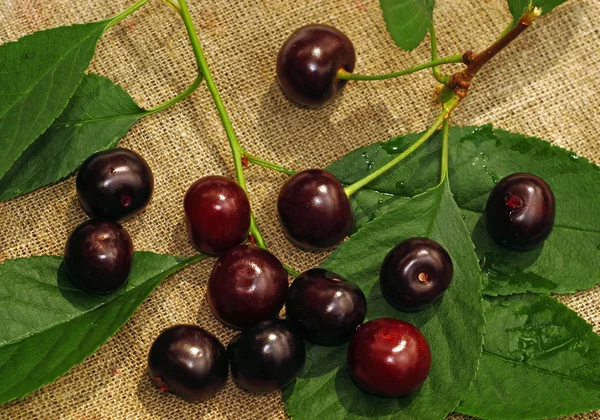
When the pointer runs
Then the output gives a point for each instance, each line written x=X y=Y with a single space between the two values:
x=189 y=362
x=388 y=358
x=99 y=256
x=247 y=285
x=325 y=307
x=520 y=211
x=266 y=357
x=217 y=213
x=308 y=62
x=415 y=273
x=114 y=184
x=314 y=209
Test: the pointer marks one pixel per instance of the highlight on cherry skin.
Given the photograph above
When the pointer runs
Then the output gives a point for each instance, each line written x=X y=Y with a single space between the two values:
x=325 y=307
x=266 y=357
x=99 y=256
x=415 y=273
x=189 y=362
x=114 y=184
x=217 y=213
x=247 y=285
x=388 y=358
x=308 y=62
x=520 y=211
x=314 y=209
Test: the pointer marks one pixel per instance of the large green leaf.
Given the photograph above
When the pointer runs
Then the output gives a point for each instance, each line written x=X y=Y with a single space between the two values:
x=479 y=156
x=518 y=7
x=48 y=326
x=540 y=360
x=38 y=75
x=453 y=326
x=407 y=21
x=97 y=116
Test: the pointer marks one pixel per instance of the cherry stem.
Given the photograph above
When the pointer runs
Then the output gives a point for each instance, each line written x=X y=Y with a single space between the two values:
x=435 y=69
x=456 y=58
x=447 y=108
x=445 y=147
x=267 y=164
x=118 y=18
x=177 y=98
x=173 y=5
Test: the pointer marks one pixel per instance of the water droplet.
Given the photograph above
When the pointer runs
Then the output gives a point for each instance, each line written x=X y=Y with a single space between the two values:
x=370 y=163
x=393 y=146
x=490 y=173
x=574 y=156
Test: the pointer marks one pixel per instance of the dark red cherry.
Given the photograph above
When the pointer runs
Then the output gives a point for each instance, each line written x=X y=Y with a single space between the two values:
x=266 y=357
x=217 y=213
x=388 y=358
x=308 y=62
x=114 y=184
x=520 y=211
x=99 y=256
x=189 y=362
x=325 y=307
x=314 y=209
x=247 y=285
x=415 y=273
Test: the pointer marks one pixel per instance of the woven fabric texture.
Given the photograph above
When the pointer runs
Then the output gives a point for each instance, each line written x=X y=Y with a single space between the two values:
x=545 y=85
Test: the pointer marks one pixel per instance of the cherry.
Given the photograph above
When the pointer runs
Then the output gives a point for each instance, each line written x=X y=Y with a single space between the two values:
x=114 y=184
x=388 y=358
x=520 y=211
x=189 y=362
x=247 y=285
x=415 y=273
x=325 y=307
x=217 y=213
x=99 y=256
x=308 y=62
x=314 y=209
x=266 y=357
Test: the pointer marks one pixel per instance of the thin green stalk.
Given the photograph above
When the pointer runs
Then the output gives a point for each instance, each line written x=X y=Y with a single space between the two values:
x=343 y=74
x=291 y=271
x=174 y=6
x=448 y=107
x=435 y=69
x=267 y=164
x=177 y=98
x=445 y=132
x=236 y=149
x=125 y=13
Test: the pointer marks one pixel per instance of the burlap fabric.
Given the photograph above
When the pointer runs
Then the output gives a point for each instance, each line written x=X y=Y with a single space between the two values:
x=545 y=84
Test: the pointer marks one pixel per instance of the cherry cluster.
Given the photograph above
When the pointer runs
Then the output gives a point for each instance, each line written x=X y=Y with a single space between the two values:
x=248 y=286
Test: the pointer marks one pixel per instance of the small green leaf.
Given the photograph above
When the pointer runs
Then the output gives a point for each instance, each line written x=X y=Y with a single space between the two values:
x=38 y=75
x=97 y=116
x=453 y=325
x=518 y=7
x=407 y=21
x=48 y=326
x=569 y=259
x=540 y=360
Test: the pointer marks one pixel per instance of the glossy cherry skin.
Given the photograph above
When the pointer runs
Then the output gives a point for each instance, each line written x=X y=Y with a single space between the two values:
x=266 y=357
x=520 y=211
x=247 y=285
x=99 y=256
x=217 y=212
x=114 y=184
x=189 y=362
x=415 y=273
x=308 y=62
x=388 y=358
x=314 y=209
x=325 y=307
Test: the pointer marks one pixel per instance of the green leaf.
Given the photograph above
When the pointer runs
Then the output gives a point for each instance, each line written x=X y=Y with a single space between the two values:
x=407 y=21
x=97 y=116
x=518 y=7
x=540 y=360
x=48 y=326
x=38 y=75
x=453 y=325
x=568 y=261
